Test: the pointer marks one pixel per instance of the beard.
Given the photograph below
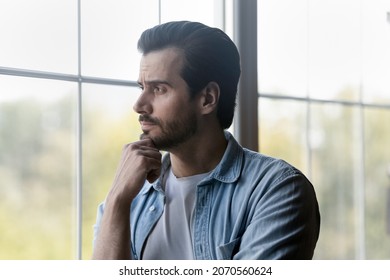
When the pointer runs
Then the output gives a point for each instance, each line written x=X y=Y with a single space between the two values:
x=173 y=133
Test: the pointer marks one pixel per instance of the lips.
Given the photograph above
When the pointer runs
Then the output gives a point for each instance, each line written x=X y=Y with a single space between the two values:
x=145 y=125
x=146 y=121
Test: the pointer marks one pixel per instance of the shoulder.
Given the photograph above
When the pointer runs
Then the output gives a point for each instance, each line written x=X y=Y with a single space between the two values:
x=269 y=167
x=275 y=180
x=254 y=168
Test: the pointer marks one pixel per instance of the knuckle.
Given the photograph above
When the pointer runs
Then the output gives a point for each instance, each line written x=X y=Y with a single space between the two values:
x=131 y=147
x=126 y=146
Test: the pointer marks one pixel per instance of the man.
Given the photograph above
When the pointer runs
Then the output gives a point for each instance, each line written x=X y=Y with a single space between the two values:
x=207 y=198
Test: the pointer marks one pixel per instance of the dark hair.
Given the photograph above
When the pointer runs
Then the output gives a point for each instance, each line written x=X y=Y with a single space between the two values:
x=209 y=56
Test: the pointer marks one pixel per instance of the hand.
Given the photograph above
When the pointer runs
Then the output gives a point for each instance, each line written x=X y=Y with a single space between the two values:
x=140 y=161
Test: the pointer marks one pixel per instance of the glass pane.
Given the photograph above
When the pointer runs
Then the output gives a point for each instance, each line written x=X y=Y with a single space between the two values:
x=200 y=10
x=110 y=31
x=282 y=126
x=108 y=124
x=282 y=47
x=376 y=51
x=334 y=140
x=40 y=35
x=37 y=168
x=377 y=162
x=334 y=49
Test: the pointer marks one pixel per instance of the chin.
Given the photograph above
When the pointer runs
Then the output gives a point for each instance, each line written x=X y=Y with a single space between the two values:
x=146 y=135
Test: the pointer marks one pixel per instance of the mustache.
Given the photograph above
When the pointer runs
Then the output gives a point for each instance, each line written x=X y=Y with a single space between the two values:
x=147 y=118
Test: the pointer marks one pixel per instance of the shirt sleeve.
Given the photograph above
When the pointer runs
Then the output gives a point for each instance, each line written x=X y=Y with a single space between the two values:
x=96 y=226
x=285 y=222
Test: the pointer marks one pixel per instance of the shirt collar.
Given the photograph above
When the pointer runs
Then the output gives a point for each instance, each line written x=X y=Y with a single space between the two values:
x=229 y=168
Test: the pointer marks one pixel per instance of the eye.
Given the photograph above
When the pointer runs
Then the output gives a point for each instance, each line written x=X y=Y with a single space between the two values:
x=159 y=90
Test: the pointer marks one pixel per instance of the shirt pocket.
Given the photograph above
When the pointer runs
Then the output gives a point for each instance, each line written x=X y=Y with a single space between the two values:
x=227 y=251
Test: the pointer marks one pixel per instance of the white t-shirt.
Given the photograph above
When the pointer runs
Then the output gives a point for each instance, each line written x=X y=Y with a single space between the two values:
x=171 y=238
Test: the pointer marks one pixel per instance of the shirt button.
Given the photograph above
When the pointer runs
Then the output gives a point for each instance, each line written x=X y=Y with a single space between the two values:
x=152 y=208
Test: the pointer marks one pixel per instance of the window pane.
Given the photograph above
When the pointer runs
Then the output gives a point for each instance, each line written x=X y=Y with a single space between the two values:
x=334 y=48
x=282 y=126
x=37 y=156
x=282 y=47
x=377 y=162
x=108 y=124
x=110 y=31
x=200 y=10
x=334 y=137
x=40 y=35
x=376 y=51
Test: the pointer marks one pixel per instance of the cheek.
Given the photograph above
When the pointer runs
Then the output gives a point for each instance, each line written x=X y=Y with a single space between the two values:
x=171 y=109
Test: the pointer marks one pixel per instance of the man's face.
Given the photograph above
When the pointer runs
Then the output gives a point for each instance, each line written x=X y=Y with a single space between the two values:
x=167 y=113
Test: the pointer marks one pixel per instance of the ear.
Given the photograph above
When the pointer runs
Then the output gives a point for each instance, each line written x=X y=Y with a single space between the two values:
x=209 y=98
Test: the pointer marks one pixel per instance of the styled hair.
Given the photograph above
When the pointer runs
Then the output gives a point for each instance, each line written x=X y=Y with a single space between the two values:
x=209 y=56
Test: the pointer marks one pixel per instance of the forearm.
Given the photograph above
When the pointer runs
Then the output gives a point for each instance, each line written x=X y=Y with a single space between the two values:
x=113 y=239
x=140 y=161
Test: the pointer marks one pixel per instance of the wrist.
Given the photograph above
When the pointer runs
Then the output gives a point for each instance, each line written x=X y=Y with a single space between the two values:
x=118 y=203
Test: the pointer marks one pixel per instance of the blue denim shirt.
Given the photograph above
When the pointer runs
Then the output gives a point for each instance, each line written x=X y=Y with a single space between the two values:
x=250 y=207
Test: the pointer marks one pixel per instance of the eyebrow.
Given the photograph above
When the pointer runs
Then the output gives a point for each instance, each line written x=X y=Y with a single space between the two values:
x=155 y=82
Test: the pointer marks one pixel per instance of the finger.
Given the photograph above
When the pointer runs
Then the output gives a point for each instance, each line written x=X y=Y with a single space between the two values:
x=150 y=154
x=146 y=156
x=146 y=142
x=137 y=148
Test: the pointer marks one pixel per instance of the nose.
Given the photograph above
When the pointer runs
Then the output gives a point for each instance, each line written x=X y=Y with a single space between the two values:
x=143 y=104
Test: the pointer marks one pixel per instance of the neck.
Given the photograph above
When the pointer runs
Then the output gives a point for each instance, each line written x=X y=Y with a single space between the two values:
x=199 y=155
